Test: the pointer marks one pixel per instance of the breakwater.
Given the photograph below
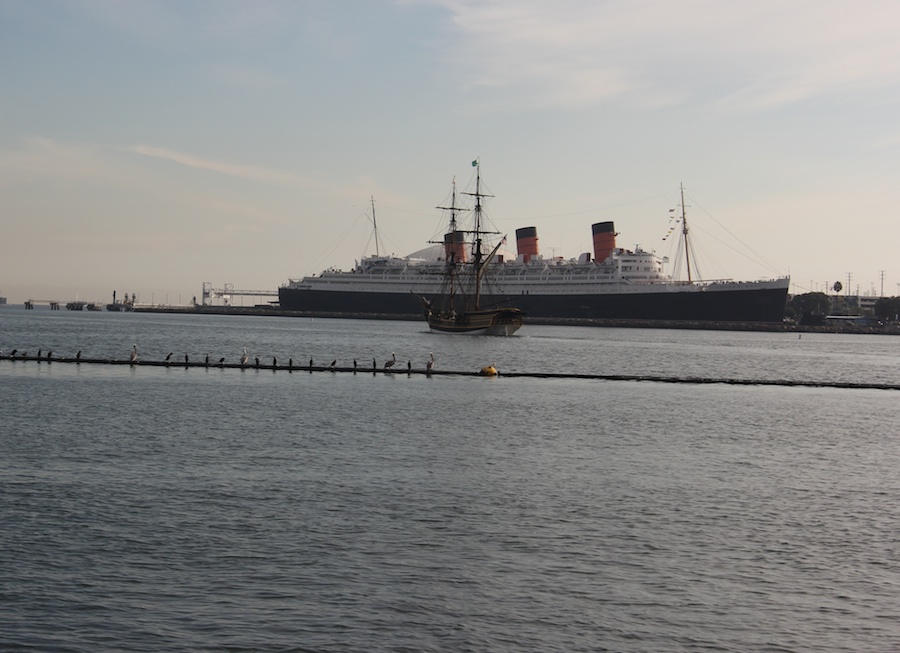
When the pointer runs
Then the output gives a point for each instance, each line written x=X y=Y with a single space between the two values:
x=292 y=367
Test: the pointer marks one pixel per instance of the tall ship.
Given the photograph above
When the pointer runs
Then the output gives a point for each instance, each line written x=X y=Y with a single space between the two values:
x=610 y=283
x=460 y=308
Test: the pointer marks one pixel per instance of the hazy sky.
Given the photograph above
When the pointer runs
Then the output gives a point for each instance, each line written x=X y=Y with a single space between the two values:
x=147 y=147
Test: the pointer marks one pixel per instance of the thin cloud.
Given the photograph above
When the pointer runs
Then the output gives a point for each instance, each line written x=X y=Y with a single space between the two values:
x=252 y=173
x=746 y=56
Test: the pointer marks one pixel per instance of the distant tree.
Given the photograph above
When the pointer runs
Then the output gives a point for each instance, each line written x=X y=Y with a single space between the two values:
x=811 y=307
x=888 y=309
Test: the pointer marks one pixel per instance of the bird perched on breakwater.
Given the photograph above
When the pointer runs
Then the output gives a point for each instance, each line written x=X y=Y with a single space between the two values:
x=391 y=362
x=354 y=363
x=409 y=366
x=134 y=354
x=206 y=362
x=333 y=364
x=13 y=353
x=78 y=355
x=49 y=356
x=274 y=362
x=374 y=364
x=256 y=361
x=430 y=364
x=39 y=353
x=185 y=360
x=168 y=356
x=221 y=361
x=244 y=357
x=310 y=362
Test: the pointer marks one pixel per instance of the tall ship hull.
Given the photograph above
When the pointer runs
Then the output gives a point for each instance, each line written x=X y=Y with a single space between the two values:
x=610 y=283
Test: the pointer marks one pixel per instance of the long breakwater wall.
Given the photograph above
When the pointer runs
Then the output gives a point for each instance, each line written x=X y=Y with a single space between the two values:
x=399 y=370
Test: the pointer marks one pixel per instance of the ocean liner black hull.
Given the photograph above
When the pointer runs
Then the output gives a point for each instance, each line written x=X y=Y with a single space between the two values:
x=744 y=303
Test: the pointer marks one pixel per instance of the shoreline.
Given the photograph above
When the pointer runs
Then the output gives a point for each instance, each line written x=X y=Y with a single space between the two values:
x=776 y=327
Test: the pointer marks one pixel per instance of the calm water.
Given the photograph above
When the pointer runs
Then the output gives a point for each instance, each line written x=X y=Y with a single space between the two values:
x=151 y=508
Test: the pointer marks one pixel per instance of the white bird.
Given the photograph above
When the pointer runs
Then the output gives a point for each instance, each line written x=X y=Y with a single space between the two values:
x=244 y=358
x=391 y=362
x=430 y=364
x=134 y=355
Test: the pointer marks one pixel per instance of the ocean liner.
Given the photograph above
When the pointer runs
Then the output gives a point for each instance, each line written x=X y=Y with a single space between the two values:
x=611 y=283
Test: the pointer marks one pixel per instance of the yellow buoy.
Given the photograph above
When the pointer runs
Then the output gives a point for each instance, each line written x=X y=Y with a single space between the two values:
x=488 y=370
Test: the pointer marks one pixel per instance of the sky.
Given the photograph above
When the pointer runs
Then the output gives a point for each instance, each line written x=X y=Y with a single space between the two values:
x=147 y=147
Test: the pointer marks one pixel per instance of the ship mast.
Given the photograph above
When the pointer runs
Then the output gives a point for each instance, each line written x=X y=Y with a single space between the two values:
x=374 y=225
x=454 y=210
x=451 y=262
x=684 y=234
x=478 y=254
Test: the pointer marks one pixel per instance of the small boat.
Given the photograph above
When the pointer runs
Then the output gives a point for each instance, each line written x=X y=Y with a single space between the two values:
x=458 y=308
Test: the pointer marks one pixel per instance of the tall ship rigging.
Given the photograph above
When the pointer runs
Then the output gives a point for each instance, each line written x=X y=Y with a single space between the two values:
x=609 y=283
x=459 y=307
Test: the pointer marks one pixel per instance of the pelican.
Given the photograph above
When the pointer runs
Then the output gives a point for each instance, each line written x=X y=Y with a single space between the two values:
x=430 y=364
x=244 y=357
x=333 y=363
x=134 y=355
x=391 y=362
x=168 y=356
x=222 y=361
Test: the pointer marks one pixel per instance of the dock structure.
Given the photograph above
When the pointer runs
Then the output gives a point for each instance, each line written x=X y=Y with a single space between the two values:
x=54 y=303
x=208 y=363
x=228 y=292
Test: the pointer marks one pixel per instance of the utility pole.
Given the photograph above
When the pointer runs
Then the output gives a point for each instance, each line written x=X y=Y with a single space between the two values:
x=882 y=284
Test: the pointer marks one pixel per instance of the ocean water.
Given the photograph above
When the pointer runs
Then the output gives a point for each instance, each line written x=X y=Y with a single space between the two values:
x=173 y=508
